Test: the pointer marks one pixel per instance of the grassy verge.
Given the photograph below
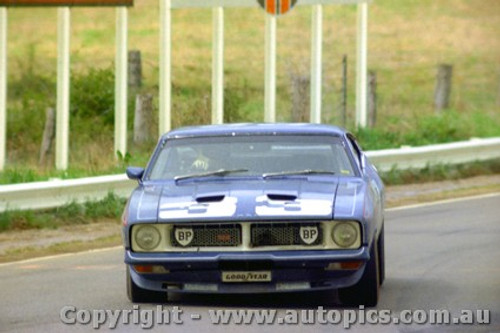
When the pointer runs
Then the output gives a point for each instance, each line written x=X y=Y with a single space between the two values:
x=60 y=248
x=442 y=195
x=73 y=213
x=441 y=172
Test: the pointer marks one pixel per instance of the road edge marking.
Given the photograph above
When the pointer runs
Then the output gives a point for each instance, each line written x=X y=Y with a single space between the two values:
x=442 y=202
x=62 y=255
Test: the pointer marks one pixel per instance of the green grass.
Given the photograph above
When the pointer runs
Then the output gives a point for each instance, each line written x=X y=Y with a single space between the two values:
x=110 y=208
x=449 y=126
x=407 y=39
x=441 y=172
x=25 y=174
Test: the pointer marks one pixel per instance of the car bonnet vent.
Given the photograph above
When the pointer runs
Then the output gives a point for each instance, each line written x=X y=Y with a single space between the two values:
x=210 y=198
x=282 y=197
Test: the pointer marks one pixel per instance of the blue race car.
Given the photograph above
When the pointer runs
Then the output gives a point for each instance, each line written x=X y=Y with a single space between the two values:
x=255 y=208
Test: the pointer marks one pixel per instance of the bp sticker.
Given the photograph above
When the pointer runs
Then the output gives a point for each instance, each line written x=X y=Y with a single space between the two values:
x=309 y=234
x=184 y=236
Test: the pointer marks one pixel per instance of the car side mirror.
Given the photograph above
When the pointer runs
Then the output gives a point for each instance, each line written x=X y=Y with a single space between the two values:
x=135 y=173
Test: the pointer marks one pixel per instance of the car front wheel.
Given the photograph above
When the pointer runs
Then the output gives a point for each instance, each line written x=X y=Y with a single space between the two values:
x=366 y=291
x=137 y=294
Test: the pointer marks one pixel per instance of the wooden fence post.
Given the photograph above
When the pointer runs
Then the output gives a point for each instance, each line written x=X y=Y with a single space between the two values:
x=343 y=110
x=443 y=87
x=49 y=132
x=143 y=118
x=372 y=99
x=134 y=69
x=300 y=97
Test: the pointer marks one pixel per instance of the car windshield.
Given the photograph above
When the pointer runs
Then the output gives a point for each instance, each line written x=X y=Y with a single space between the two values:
x=258 y=155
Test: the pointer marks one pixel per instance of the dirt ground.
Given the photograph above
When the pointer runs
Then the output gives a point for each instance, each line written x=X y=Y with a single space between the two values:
x=400 y=195
x=31 y=241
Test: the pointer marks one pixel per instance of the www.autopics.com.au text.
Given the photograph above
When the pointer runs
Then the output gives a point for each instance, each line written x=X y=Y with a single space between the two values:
x=161 y=315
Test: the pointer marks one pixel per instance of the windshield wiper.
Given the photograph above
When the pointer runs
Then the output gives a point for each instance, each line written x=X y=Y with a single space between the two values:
x=297 y=172
x=220 y=172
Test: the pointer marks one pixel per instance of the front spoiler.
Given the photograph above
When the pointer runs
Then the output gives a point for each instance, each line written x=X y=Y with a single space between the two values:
x=296 y=270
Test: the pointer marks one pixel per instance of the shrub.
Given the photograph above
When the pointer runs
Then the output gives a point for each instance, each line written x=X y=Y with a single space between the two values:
x=92 y=95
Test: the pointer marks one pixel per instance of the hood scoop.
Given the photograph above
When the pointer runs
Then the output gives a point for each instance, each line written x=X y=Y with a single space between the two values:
x=282 y=197
x=210 y=198
x=285 y=201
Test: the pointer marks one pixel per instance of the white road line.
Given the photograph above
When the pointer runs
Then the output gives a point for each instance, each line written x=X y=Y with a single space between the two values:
x=32 y=260
x=441 y=202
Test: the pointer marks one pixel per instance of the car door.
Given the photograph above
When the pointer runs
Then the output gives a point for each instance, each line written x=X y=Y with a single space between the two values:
x=373 y=180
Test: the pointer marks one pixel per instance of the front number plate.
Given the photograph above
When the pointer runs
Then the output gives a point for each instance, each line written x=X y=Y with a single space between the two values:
x=238 y=276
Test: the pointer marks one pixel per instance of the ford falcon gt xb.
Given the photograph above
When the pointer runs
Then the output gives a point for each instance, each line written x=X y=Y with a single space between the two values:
x=255 y=208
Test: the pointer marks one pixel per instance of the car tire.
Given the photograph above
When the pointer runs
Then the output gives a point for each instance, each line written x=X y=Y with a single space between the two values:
x=137 y=294
x=381 y=256
x=366 y=291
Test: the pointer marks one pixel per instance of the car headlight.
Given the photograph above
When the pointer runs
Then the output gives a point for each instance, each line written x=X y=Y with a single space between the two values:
x=344 y=234
x=147 y=237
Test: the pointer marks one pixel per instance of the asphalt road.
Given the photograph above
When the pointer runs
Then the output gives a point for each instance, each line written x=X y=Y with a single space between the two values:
x=442 y=256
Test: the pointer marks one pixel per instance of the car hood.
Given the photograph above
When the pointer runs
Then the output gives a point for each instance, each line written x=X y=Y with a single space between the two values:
x=237 y=200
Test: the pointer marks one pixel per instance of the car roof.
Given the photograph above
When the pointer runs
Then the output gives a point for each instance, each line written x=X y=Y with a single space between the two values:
x=255 y=129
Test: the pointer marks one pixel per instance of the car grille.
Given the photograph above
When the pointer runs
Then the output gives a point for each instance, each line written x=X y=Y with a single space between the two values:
x=280 y=234
x=261 y=235
x=212 y=235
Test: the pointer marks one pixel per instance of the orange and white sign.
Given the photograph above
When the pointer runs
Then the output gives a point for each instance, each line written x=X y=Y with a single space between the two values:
x=277 y=7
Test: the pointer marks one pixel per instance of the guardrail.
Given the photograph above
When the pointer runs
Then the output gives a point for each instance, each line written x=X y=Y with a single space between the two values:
x=447 y=153
x=55 y=193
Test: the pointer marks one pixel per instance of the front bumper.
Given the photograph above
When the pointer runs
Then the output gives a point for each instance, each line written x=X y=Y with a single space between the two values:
x=290 y=270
